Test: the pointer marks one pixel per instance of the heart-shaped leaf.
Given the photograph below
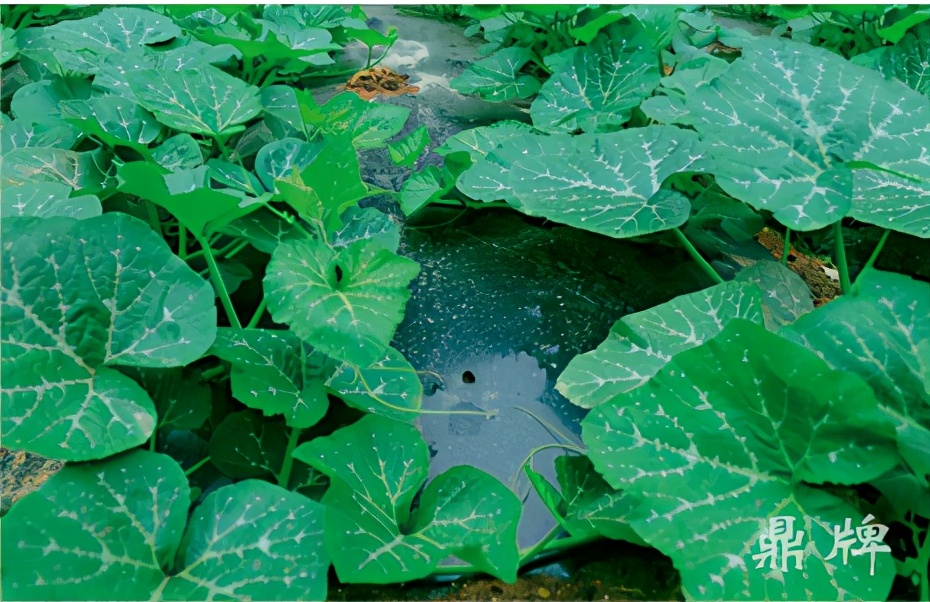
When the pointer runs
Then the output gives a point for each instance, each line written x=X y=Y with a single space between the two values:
x=639 y=345
x=205 y=100
x=47 y=199
x=497 y=78
x=113 y=120
x=275 y=373
x=732 y=438
x=82 y=171
x=606 y=183
x=178 y=152
x=881 y=333
x=345 y=302
x=80 y=296
x=186 y=196
x=251 y=540
x=376 y=467
x=389 y=387
x=280 y=158
x=813 y=145
x=599 y=87
x=407 y=150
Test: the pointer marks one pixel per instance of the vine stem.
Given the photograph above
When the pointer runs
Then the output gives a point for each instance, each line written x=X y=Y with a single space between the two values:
x=877 y=251
x=529 y=554
x=708 y=269
x=219 y=284
x=284 y=476
x=840 y=251
x=182 y=241
x=196 y=466
x=258 y=313
x=787 y=249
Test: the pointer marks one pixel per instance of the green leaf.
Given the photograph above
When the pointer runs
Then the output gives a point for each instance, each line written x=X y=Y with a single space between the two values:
x=407 y=150
x=40 y=102
x=907 y=61
x=80 y=296
x=82 y=171
x=813 y=145
x=597 y=90
x=235 y=176
x=185 y=195
x=8 y=46
x=896 y=31
x=17 y=133
x=605 y=183
x=281 y=112
x=376 y=467
x=335 y=177
x=345 y=302
x=881 y=333
x=82 y=45
x=247 y=446
x=498 y=78
x=205 y=100
x=732 y=434
x=367 y=224
x=274 y=372
x=178 y=152
x=422 y=188
x=641 y=344
x=278 y=159
x=592 y=506
x=785 y=296
x=480 y=141
x=47 y=199
x=263 y=229
x=251 y=540
x=388 y=387
x=113 y=120
x=718 y=221
x=369 y=125
x=183 y=399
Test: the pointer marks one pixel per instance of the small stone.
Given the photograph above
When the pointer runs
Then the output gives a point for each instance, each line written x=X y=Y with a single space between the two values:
x=543 y=593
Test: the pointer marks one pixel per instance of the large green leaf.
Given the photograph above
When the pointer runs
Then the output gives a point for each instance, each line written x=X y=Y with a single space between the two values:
x=178 y=152
x=47 y=199
x=345 y=302
x=736 y=433
x=376 y=467
x=80 y=296
x=606 y=183
x=907 y=61
x=280 y=158
x=799 y=131
x=185 y=194
x=367 y=223
x=881 y=333
x=205 y=100
x=82 y=45
x=597 y=90
x=8 y=45
x=18 y=133
x=389 y=387
x=40 y=102
x=113 y=120
x=275 y=373
x=641 y=344
x=82 y=171
x=251 y=540
x=498 y=78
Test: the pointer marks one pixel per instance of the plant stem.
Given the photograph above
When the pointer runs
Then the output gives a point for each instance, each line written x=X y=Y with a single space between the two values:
x=182 y=241
x=151 y=211
x=708 y=269
x=194 y=468
x=787 y=249
x=531 y=553
x=840 y=250
x=258 y=313
x=877 y=251
x=152 y=439
x=284 y=476
x=212 y=372
x=219 y=284
x=234 y=248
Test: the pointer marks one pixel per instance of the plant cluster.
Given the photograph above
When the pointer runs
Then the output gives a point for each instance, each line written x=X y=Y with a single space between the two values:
x=197 y=312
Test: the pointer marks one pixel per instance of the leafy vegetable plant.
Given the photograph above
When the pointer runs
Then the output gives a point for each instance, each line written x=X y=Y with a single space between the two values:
x=197 y=311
